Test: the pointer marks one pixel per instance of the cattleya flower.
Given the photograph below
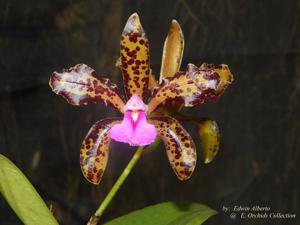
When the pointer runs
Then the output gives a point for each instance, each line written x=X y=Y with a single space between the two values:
x=141 y=122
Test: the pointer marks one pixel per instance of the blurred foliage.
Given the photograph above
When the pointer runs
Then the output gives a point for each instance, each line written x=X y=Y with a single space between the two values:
x=21 y=195
x=171 y=213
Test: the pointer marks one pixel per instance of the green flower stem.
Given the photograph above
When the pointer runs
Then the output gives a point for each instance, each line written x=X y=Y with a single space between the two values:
x=113 y=191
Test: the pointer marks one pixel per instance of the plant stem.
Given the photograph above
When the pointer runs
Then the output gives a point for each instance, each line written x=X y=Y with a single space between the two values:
x=95 y=218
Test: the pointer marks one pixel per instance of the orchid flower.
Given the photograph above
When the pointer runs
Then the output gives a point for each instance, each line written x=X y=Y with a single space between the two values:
x=141 y=122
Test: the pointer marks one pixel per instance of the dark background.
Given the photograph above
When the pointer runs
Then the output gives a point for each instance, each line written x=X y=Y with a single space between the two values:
x=258 y=163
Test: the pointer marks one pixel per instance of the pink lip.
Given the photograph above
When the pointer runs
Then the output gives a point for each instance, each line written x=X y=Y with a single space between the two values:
x=134 y=130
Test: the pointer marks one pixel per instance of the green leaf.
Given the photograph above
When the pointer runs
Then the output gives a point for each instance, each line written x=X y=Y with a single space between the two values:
x=22 y=197
x=168 y=213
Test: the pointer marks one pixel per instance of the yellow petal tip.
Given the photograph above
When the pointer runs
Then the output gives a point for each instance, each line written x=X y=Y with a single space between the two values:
x=134 y=18
x=208 y=160
x=135 y=14
x=133 y=24
x=175 y=23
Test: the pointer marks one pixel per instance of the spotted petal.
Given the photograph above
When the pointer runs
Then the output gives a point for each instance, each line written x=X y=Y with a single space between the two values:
x=210 y=138
x=180 y=147
x=134 y=61
x=79 y=85
x=194 y=86
x=95 y=149
x=173 y=51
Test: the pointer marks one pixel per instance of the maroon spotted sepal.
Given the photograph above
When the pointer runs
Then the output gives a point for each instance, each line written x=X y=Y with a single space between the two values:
x=134 y=58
